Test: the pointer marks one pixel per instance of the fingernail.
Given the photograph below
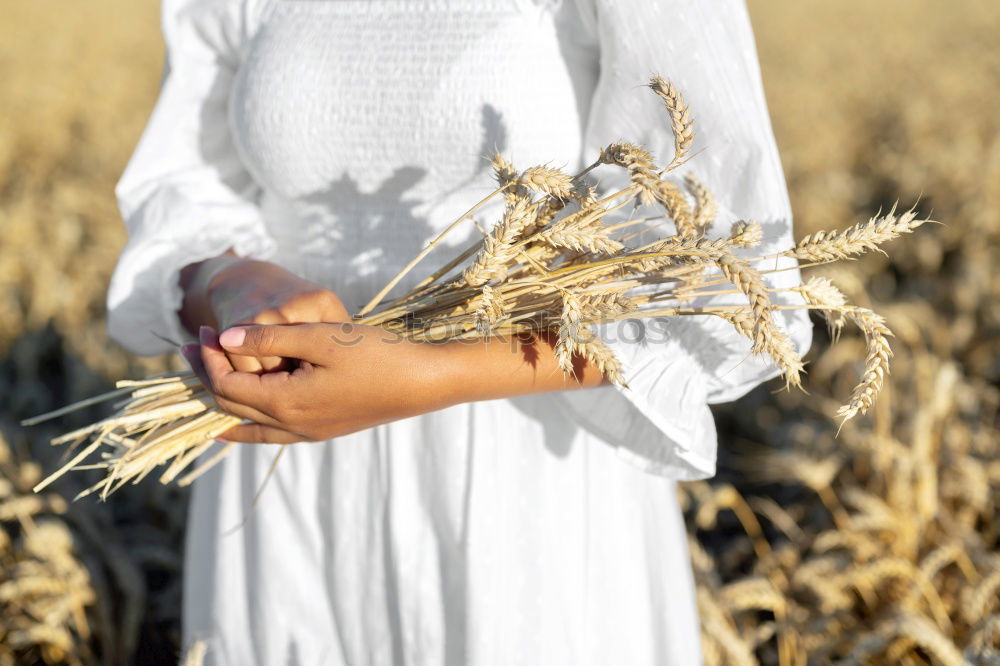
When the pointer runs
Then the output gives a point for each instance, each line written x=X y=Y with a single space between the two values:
x=189 y=350
x=233 y=337
x=206 y=335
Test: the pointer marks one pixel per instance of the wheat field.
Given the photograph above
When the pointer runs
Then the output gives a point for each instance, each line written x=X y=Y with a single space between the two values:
x=880 y=545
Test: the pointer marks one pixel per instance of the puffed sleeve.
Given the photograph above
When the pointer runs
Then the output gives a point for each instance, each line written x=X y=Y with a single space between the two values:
x=676 y=366
x=185 y=195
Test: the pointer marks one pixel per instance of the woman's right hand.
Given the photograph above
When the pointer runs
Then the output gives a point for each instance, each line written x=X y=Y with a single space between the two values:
x=226 y=291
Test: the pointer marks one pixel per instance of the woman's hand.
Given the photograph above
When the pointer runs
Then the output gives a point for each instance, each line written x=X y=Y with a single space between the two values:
x=352 y=377
x=231 y=291
x=349 y=378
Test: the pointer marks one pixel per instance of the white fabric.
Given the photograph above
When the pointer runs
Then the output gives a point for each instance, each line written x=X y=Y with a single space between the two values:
x=335 y=137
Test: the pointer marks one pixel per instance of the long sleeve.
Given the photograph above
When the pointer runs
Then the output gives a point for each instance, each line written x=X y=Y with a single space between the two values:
x=185 y=195
x=676 y=366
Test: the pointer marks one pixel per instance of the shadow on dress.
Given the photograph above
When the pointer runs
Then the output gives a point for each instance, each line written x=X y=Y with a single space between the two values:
x=354 y=230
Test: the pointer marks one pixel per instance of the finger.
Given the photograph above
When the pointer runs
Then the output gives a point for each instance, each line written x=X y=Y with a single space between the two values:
x=265 y=363
x=193 y=355
x=245 y=389
x=310 y=342
x=246 y=363
x=213 y=357
x=258 y=433
x=244 y=411
x=260 y=365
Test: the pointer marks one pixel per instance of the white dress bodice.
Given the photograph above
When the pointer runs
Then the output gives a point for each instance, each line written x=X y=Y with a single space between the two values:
x=361 y=160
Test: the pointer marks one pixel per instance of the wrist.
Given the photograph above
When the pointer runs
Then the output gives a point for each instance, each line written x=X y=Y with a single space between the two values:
x=502 y=367
x=472 y=370
x=195 y=278
x=440 y=374
x=196 y=282
x=218 y=270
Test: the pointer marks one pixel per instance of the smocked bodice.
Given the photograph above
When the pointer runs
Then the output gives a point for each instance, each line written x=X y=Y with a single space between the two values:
x=370 y=125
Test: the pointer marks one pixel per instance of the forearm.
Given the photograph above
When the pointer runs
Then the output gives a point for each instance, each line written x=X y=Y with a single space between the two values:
x=505 y=367
x=351 y=377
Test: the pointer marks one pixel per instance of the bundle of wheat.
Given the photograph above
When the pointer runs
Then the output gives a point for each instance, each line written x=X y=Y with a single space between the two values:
x=558 y=261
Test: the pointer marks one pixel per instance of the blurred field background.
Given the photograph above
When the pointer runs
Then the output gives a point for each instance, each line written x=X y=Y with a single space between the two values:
x=879 y=546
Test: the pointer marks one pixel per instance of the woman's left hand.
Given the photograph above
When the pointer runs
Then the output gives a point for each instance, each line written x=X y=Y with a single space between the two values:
x=349 y=378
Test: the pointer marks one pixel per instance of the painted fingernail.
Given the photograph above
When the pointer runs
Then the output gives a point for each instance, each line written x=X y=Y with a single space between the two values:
x=206 y=335
x=233 y=337
x=189 y=351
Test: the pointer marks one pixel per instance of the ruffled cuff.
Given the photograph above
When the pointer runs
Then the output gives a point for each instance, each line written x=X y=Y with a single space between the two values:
x=661 y=422
x=144 y=296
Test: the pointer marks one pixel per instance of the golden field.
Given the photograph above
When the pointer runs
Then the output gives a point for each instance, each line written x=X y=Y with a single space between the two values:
x=880 y=545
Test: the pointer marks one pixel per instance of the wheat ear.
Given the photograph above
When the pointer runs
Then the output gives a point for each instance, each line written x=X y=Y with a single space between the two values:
x=491 y=309
x=498 y=246
x=826 y=246
x=705 y=206
x=876 y=361
x=681 y=121
x=746 y=233
x=830 y=301
x=547 y=181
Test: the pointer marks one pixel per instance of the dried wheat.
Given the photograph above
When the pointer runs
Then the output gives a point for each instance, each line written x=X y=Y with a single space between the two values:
x=681 y=121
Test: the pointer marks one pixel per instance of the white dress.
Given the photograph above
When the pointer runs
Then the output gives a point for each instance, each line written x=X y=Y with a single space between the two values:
x=336 y=137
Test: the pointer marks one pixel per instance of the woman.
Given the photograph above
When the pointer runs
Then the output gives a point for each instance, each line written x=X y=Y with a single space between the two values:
x=301 y=152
